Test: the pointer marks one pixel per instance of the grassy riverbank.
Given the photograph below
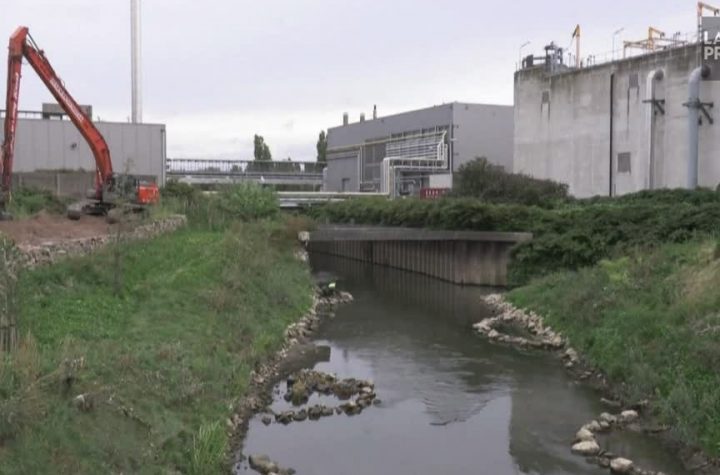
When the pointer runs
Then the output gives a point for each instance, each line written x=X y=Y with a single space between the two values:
x=160 y=337
x=651 y=322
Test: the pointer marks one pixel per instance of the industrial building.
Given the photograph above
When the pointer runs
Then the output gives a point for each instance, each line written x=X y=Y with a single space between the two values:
x=50 y=153
x=400 y=154
x=618 y=127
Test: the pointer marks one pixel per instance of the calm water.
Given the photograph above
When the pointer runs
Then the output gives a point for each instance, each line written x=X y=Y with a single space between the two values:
x=451 y=403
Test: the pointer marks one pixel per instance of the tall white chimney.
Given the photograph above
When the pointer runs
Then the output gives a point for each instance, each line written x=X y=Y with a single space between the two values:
x=136 y=61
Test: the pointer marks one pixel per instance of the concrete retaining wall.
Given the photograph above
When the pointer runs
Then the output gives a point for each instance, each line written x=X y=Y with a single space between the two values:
x=469 y=258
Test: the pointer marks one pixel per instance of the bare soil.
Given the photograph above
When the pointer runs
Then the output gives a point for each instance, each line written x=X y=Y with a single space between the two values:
x=44 y=228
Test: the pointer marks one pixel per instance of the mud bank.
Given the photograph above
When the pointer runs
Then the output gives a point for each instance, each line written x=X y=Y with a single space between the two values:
x=512 y=326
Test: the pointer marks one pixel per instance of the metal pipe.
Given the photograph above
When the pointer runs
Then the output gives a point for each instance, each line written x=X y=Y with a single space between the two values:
x=612 y=132
x=694 y=105
x=135 y=59
x=652 y=80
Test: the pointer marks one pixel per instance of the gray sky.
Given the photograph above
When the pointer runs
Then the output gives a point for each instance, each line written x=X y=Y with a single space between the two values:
x=218 y=71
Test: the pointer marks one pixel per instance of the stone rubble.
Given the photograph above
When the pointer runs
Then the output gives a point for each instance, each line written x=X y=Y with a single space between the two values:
x=262 y=464
x=543 y=337
x=305 y=383
x=266 y=374
x=51 y=252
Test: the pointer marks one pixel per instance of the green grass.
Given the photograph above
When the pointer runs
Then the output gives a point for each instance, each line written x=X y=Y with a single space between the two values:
x=651 y=321
x=27 y=201
x=162 y=359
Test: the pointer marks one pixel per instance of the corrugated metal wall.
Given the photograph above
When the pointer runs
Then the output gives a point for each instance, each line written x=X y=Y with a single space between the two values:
x=57 y=145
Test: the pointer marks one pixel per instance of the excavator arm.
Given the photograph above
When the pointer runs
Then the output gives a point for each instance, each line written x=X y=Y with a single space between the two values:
x=23 y=46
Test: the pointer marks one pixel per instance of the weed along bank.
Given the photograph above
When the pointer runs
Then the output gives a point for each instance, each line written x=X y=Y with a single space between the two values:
x=144 y=376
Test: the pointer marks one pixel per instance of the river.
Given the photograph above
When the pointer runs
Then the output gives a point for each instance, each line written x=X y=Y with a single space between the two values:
x=452 y=403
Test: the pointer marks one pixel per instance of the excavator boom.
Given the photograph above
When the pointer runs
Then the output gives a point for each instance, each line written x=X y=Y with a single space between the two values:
x=22 y=46
x=106 y=182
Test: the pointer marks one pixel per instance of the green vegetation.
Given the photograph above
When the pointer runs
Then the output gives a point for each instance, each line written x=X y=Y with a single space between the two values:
x=27 y=201
x=649 y=320
x=572 y=235
x=492 y=184
x=261 y=151
x=216 y=210
x=158 y=363
x=322 y=146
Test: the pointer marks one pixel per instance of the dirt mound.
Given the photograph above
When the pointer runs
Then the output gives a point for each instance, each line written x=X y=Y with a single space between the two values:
x=44 y=228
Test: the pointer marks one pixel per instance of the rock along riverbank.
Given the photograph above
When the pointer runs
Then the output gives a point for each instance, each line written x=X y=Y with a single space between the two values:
x=512 y=326
x=296 y=350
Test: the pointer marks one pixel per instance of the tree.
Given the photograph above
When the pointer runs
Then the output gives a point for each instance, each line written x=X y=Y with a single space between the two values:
x=322 y=148
x=261 y=149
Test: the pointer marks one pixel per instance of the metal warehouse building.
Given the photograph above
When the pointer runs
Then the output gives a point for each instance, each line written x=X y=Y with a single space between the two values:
x=617 y=127
x=399 y=154
x=50 y=152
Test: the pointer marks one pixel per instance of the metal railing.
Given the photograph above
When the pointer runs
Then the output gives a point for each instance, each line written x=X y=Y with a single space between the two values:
x=180 y=166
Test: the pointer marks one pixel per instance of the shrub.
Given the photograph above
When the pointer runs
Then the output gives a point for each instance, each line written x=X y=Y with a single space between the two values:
x=491 y=183
x=248 y=202
x=570 y=236
x=217 y=210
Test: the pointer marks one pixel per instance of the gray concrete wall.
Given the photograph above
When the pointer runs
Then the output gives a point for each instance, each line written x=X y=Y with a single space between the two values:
x=568 y=138
x=483 y=131
x=473 y=130
x=461 y=257
x=57 y=145
x=359 y=132
x=342 y=175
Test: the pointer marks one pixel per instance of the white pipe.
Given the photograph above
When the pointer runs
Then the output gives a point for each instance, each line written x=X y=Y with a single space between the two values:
x=693 y=105
x=136 y=60
x=652 y=79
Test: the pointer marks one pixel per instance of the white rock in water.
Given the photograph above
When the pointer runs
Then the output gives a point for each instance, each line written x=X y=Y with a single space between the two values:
x=593 y=426
x=621 y=465
x=493 y=334
x=588 y=447
x=629 y=416
x=572 y=355
x=607 y=417
x=584 y=435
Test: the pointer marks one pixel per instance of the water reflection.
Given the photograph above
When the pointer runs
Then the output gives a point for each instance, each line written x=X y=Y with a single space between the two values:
x=451 y=402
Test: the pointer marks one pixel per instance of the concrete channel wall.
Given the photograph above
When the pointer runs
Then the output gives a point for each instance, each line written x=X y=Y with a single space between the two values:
x=461 y=257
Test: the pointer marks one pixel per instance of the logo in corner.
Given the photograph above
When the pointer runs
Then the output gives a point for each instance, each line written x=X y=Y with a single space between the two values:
x=710 y=43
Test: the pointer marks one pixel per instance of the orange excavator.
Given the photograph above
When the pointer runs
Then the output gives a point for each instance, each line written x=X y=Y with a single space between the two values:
x=111 y=189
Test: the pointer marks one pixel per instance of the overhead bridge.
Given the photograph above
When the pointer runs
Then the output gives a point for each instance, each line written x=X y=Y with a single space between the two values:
x=218 y=172
x=461 y=257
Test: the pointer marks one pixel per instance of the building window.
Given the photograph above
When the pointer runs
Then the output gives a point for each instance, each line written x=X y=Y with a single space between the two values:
x=623 y=162
x=546 y=97
x=634 y=81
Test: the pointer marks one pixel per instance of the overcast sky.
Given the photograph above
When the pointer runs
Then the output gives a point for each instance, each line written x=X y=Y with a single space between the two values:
x=218 y=71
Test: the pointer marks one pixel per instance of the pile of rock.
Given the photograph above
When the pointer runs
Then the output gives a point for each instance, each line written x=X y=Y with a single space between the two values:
x=301 y=385
x=541 y=337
